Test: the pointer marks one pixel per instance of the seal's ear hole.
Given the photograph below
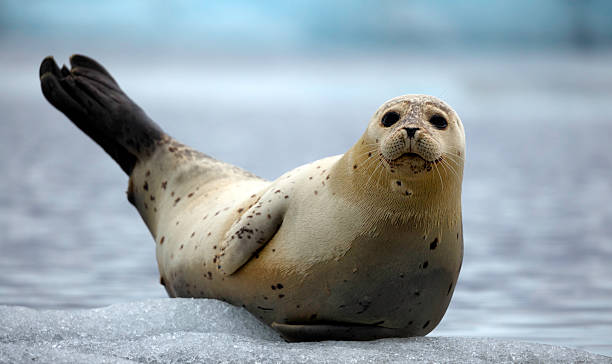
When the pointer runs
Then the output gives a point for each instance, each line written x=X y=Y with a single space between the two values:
x=390 y=118
x=438 y=121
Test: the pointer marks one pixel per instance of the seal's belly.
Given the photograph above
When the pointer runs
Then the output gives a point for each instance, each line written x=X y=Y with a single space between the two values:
x=405 y=284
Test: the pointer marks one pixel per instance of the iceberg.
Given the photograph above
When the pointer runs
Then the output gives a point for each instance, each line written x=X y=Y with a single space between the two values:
x=211 y=331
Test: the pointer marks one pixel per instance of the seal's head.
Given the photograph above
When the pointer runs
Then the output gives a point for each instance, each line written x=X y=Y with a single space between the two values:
x=412 y=134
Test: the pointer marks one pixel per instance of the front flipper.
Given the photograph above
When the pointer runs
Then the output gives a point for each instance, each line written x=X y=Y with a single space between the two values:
x=333 y=331
x=252 y=231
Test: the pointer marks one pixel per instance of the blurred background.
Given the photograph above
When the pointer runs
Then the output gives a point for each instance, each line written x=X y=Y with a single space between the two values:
x=271 y=85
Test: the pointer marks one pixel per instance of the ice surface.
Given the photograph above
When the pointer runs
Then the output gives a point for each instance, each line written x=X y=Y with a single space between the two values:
x=189 y=330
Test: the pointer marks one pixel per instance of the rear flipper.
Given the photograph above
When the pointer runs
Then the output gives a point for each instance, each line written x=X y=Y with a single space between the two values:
x=333 y=331
x=89 y=96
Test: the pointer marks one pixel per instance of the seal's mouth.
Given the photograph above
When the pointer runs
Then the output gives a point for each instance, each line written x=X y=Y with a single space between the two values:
x=409 y=158
x=413 y=161
x=411 y=155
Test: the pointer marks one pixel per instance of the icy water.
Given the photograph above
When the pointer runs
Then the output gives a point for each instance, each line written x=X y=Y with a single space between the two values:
x=537 y=196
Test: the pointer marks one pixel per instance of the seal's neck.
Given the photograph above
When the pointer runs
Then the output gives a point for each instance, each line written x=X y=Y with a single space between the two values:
x=367 y=180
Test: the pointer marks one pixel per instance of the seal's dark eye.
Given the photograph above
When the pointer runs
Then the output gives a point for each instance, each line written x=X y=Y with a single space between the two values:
x=438 y=121
x=390 y=118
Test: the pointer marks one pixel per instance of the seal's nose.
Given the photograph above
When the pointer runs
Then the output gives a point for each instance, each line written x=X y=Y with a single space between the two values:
x=411 y=131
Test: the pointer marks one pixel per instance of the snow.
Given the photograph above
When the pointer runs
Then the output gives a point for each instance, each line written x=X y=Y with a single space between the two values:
x=210 y=331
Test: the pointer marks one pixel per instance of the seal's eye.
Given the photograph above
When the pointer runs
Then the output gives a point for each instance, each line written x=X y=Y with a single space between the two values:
x=390 y=118
x=438 y=121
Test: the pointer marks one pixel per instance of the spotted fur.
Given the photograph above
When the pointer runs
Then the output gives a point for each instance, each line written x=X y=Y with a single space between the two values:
x=363 y=245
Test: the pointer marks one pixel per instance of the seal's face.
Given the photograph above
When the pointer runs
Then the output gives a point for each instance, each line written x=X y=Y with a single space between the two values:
x=413 y=133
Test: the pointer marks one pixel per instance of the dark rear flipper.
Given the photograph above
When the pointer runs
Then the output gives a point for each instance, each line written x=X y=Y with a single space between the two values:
x=89 y=96
x=334 y=331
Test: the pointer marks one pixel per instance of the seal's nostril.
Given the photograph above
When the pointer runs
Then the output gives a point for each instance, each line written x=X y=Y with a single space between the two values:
x=411 y=131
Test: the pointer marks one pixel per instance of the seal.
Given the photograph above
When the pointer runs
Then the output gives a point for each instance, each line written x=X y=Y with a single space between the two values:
x=360 y=246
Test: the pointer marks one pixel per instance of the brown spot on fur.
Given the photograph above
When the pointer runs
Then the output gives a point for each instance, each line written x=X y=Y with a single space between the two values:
x=253 y=195
x=433 y=244
x=277 y=191
x=354 y=166
x=208 y=233
x=193 y=234
x=286 y=196
x=181 y=246
x=146 y=186
x=177 y=200
x=148 y=173
x=316 y=192
x=164 y=184
x=146 y=206
x=161 y=281
x=161 y=241
x=269 y=216
x=189 y=195
x=217 y=213
x=152 y=198
x=240 y=210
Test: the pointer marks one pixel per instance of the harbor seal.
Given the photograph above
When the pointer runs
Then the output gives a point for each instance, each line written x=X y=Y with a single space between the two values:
x=361 y=246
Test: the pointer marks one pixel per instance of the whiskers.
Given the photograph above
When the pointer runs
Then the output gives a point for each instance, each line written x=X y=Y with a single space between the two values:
x=373 y=162
x=377 y=169
x=449 y=162
x=453 y=163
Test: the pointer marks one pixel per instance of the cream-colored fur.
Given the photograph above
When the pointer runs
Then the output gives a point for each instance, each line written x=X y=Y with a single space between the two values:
x=371 y=237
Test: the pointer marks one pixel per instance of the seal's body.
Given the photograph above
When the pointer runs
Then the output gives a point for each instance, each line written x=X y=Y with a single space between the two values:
x=358 y=246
